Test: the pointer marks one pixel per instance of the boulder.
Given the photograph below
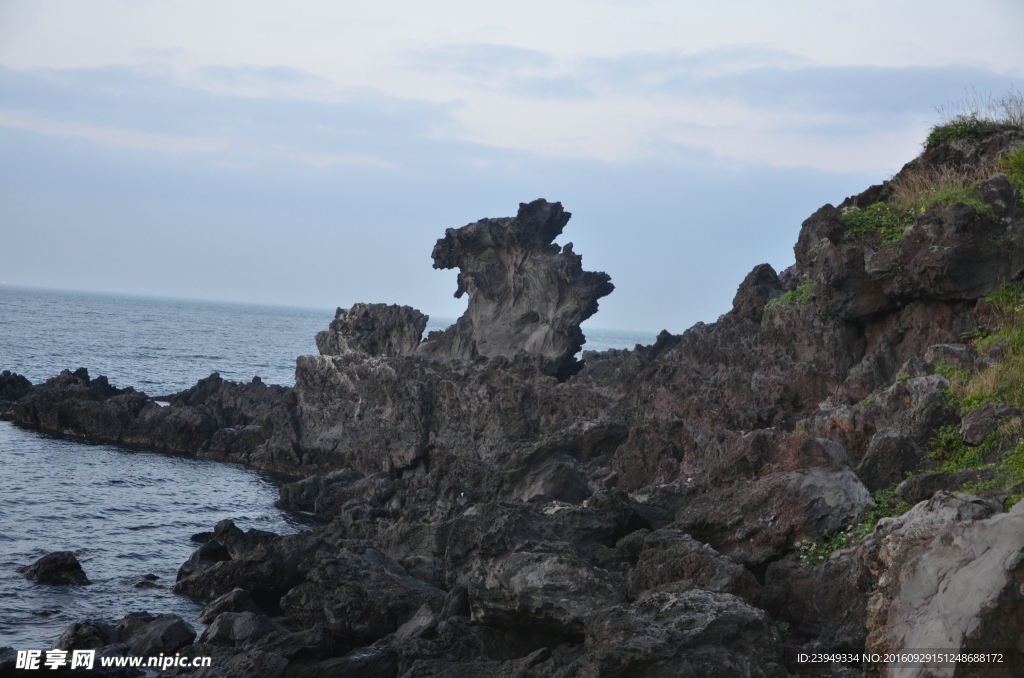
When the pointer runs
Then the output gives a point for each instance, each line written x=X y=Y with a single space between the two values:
x=60 y=567
x=699 y=633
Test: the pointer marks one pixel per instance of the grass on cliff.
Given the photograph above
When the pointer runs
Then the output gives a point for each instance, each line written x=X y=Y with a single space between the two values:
x=952 y=454
x=1001 y=380
x=817 y=551
x=969 y=117
x=795 y=297
x=914 y=192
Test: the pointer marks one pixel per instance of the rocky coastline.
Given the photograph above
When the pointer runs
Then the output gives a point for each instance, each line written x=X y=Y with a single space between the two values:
x=832 y=467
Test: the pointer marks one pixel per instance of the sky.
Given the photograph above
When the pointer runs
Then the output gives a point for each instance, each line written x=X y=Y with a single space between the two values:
x=310 y=153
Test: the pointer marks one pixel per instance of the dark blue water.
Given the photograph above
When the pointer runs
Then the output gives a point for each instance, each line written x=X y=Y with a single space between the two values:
x=127 y=513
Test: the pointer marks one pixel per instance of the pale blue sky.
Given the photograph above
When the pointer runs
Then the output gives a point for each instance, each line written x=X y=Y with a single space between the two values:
x=310 y=153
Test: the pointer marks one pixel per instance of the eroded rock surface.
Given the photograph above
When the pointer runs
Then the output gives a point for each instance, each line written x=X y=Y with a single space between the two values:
x=526 y=294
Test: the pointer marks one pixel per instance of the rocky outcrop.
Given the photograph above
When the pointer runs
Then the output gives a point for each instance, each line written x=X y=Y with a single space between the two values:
x=486 y=505
x=373 y=329
x=526 y=294
x=60 y=567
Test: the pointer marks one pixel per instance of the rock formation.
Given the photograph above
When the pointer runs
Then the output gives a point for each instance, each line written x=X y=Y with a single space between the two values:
x=714 y=504
x=526 y=294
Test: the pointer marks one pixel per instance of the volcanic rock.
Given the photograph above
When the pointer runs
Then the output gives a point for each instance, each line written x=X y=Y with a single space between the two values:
x=60 y=567
x=526 y=294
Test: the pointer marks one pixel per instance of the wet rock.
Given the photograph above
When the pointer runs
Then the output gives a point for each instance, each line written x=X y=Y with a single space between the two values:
x=149 y=635
x=13 y=386
x=373 y=329
x=60 y=567
x=230 y=663
x=370 y=662
x=236 y=600
x=204 y=557
x=239 y=629
x=87 y=635
x=139 y=634
x=146 y=581
x=314 y=643
x=526 y=295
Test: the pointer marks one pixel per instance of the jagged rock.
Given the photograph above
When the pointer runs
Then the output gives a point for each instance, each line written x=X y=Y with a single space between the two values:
x=59 y=567
x=753 y=520
x=961 y=356
x=669 y=560
x=373 y=329
x=694 y=632
x=13 y=386
x=86 y=635
x=239 y=629
x=230 y=663
x=980 y=423
x=314 y=643
x=236 y=600
x=757 y=289
x=922 y=486
x=139 y=634
x=202 y=558
x=550 y=588
x=149 y=635
x=890 y=455
x=827 y=603
x=357 y=593
x=525 y=293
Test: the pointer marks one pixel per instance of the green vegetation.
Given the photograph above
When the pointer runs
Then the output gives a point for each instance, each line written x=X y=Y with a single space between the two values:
x=1002 y=381
x=970 y=116
x=795 y=297
x=1012 y=165
x=965 y=126
x=818 y=551
x=921 y=187
x=950 y=452
x=880 y=225
x=783 y=628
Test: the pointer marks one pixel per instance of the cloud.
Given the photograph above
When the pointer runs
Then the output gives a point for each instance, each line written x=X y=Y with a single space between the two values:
x=159 y=112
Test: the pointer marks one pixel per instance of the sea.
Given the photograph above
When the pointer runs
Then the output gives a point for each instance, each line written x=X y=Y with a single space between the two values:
x=129 y=515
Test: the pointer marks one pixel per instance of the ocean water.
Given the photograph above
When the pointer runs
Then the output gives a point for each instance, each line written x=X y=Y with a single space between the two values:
x=127 y=513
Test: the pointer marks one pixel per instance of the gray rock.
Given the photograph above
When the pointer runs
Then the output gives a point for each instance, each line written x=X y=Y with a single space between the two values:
x=526 y=295
x=960 y=591
x=236 y=600
x=961 y=356
x=696 y=633
x=889 y=457
x=239 y=629
x=373 y=329
x=978 y=424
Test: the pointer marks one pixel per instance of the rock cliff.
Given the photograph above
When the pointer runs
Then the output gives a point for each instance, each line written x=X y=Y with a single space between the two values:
x=715 y=504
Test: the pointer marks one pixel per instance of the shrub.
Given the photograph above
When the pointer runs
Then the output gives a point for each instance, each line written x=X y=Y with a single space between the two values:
x=880 y=225
x=960 y=127
x=795 y=297
x=1012 y=165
